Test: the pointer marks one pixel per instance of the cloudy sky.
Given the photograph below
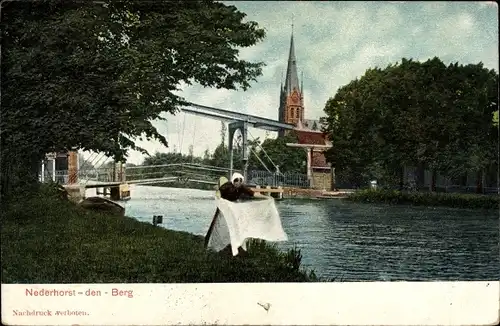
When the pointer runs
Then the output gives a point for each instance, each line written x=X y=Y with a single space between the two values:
x=335 y=42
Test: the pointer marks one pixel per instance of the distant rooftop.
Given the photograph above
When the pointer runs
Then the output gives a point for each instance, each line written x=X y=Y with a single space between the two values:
x=309 y=125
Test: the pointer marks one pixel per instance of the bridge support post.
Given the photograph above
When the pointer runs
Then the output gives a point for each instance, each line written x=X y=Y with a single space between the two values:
x=42 y=174
x=118 y=172
x=230 y=147
x=243 y=127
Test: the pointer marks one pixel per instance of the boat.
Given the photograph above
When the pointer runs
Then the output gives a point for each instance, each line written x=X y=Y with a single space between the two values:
x=104 y=205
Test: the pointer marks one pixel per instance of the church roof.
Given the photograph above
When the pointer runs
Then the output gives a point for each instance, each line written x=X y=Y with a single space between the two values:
x=311 y=137
x=309 y=123
x=292 y=78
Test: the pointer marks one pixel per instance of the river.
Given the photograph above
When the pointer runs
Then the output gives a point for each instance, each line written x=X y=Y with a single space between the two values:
x=351 y=241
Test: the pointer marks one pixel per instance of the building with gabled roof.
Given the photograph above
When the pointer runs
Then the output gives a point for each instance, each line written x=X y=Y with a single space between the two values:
x=315 y=143
x=310 y=136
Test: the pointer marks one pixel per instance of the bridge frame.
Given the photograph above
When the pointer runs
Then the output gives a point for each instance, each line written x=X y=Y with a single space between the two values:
x=237 y=121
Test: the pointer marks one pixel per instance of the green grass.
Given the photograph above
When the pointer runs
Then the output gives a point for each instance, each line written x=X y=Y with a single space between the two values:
x=48 y=240
x=472 y=201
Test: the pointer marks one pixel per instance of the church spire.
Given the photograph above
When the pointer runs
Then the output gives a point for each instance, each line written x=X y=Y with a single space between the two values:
x=302 y=83
x=292 y=79
x=281 y=84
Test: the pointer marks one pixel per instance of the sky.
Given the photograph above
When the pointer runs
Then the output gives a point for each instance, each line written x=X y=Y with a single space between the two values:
x=335 y=42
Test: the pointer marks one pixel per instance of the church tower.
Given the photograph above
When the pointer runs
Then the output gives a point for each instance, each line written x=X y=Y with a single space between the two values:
x=291 y=109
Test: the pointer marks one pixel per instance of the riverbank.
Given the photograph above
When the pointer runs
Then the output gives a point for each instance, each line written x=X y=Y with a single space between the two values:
x=472 y=201
x=49 y=240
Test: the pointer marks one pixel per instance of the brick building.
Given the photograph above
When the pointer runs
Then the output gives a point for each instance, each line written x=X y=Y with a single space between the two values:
x=310 y=138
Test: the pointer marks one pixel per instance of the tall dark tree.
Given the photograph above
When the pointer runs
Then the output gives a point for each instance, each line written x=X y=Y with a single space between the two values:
x=426 y=115
x=94 y=75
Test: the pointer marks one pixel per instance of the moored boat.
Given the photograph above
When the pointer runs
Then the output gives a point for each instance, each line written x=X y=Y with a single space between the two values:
x=102 y=204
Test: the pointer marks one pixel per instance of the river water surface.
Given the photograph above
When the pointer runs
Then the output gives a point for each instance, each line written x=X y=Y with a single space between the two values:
x=351 y=241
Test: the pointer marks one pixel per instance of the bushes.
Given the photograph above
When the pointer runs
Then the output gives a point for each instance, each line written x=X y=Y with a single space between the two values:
x=49 y=240
x=426 y=198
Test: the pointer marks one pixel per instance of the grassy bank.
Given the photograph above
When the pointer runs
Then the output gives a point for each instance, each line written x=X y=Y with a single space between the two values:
x=472 y=201
x=49 y=240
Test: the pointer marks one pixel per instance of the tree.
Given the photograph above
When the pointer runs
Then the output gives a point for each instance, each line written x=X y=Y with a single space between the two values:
x=220 y=157
x=94 y=75
x=206 y=156
x=426 y=115
x=276 y=152
x=222 y=132
x=190 y=150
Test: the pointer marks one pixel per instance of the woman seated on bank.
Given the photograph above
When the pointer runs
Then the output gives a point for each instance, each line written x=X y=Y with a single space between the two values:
x=232 y=191
x=236 y=189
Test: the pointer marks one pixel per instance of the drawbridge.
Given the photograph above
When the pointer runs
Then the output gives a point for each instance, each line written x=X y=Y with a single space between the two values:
x=118 y=174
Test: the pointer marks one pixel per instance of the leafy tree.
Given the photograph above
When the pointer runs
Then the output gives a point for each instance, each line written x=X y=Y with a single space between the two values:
x=169 y=158
x=161 y=159
x=221 y=158
x=275 y=152
x=426 y=115
x=190 y=150
x=94 y=75
x=223 y=132
x=206 y=155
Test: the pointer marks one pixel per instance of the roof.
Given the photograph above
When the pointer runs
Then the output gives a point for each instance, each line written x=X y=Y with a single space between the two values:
x=309 y=123
x=311 y=137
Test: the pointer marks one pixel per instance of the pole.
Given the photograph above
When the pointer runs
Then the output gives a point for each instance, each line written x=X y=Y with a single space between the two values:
x=42 y=177
x=54 y=168
x=244 y=131
x=309 y=172
x=230 y=147
x=245 y=170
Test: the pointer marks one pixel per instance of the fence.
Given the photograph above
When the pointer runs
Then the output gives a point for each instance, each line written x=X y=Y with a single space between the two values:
x=62 y=176
x=265 y=178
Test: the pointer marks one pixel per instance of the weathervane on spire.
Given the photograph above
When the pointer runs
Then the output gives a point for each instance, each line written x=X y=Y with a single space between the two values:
x=292 y=22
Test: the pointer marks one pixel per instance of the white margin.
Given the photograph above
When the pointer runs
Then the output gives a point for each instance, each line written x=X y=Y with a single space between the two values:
x=363 y=303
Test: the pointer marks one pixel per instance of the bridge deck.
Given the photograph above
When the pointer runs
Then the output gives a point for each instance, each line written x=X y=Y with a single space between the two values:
x=279 y=190
x=103 y=185
x=107 y=184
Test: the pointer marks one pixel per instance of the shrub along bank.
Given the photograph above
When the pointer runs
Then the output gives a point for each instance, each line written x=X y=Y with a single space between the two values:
x=426 y=198
x=49 y=240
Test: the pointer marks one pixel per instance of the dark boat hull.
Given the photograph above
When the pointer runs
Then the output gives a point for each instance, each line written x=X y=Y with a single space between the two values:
x=104 y=205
